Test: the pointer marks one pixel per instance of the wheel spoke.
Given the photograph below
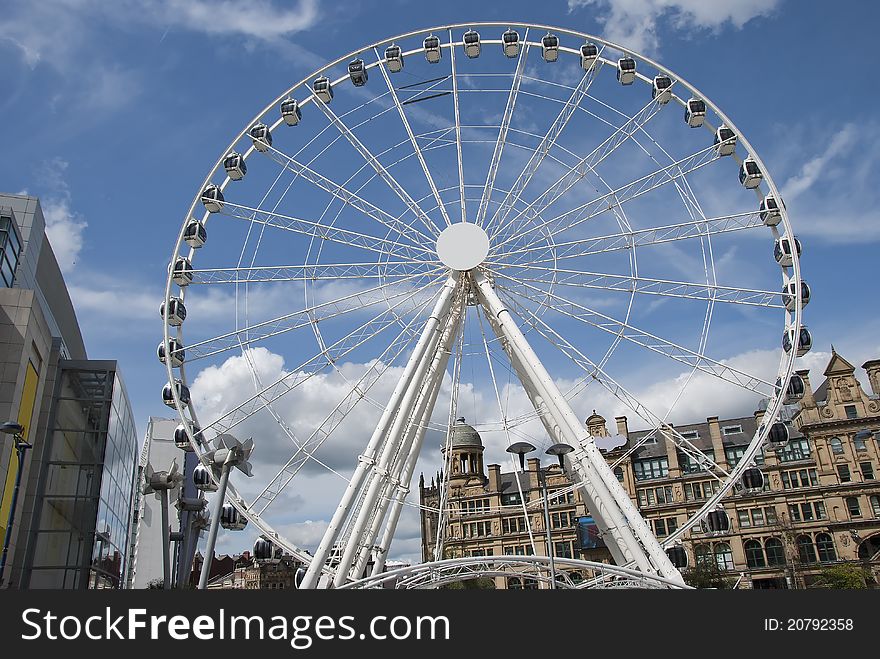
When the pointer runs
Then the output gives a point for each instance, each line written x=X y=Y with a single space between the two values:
x=544 y=147
x=502 y=131
x=457 y=128
x=570 y=249
x=647 y=285
x=390 y=270
x=307 y=370
x=584 y=166
x=353 y=302
x=359 y=390
x=650 y=341
x=412 y=138
x=617 y=390
x=383 y=173
x=347 y=197
x=320 y=231
x=619 y=196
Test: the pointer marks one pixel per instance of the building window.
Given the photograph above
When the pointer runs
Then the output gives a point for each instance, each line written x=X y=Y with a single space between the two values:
x=796 y=449
x=10 y=250
x=650 y=468
x=875 y=505
x=757 y=517
x=754 y=554
x=775 y=551
x=562 y=549
x=843 y=472
x=690 y=465
x=659 y=495
x=867 y=471
x=702 y=555
x=799 y=478
x=513 y=499
x=806 y=550
x=723 y=556
x=794 y=512
x=690 y=434
x=732 y=430
x=744 y=519
x=618 y=473
x=819 y=507
x=564 y=520
x=700 y=490
x=561 y=498
x=665 y=526
x=514 y=583
x=836 y=445
x=825 y=547
x=734 y=455
x=513 y=524
x=852 y=505
x=851 y=412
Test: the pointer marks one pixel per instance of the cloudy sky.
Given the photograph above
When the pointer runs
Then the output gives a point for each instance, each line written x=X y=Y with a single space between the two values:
x=114 y=113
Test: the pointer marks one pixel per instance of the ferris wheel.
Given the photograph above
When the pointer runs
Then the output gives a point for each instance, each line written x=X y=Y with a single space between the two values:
x=507 y=222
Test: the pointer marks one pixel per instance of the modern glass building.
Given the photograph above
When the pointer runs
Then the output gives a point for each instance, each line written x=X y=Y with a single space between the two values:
x=79 y=533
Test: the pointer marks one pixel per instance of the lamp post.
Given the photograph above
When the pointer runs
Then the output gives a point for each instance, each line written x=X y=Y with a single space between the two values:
x=17 y=432
x=559 y=450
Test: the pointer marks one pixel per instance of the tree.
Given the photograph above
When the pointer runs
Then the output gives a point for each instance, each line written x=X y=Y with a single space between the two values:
x=845 y=576
x=706 y=574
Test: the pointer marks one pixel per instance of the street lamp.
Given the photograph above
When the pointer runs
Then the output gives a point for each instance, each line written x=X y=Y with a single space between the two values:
x=559 y=450
x=17 y=432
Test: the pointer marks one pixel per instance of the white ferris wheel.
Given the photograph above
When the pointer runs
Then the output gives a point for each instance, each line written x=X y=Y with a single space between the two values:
x=505 y=222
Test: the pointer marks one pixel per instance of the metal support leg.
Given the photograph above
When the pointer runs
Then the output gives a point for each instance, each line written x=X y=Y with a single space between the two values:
x=366 y=461
x=381 y=473
x=398 y=486
x=166 y=541
x=630 y=537
x=215 y=525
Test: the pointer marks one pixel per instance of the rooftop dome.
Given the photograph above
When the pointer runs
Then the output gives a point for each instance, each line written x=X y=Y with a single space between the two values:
x=464 y=435
x=595 y=418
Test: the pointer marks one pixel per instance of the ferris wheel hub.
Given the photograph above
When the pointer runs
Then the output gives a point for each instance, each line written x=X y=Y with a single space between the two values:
x=462 y=246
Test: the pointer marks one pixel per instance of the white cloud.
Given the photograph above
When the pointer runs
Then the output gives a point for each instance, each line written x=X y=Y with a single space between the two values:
x=634 y=23
x=64 y=226
x=832 y=192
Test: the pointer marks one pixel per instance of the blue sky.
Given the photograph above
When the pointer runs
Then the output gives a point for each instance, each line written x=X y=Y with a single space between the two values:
x=113 y=113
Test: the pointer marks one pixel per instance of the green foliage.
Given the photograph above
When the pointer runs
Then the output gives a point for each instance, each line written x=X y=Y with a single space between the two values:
x=844 y=576
x=706 y=574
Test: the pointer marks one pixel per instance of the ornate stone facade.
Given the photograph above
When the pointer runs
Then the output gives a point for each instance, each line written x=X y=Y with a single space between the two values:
x=820 y=504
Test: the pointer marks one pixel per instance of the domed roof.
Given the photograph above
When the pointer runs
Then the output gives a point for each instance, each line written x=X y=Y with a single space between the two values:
x=595 y=418
x=465 y=435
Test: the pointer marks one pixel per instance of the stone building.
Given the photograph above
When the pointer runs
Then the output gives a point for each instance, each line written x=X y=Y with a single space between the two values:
x=820 y=504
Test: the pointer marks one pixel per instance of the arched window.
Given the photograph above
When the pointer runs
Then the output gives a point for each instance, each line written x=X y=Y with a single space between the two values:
x=825 y=546
x=806 y=550
x=618 y=471
x=754 y=553
x=775 y=551
x=702 y=555
x=514 y=583
x=836 y=445
x=723 y=556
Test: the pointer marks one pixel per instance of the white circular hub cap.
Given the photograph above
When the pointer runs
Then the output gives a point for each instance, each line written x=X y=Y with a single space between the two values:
x=462 y=246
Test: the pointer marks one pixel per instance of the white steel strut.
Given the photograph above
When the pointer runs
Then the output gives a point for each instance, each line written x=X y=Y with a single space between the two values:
x=627 y=534
x=413 y=372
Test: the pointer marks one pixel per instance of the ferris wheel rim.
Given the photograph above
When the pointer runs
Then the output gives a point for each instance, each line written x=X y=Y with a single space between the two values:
x=187 y=412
